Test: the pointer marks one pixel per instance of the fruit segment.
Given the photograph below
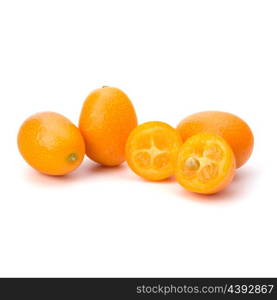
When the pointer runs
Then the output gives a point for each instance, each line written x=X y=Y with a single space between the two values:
x=205 y=164
x=152 y=150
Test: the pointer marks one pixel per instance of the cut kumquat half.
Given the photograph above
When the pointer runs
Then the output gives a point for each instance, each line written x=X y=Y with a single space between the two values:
x=205 y=164
x=152 y=149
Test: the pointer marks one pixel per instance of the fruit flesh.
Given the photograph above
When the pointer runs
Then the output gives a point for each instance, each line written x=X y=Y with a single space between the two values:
x=233 y=129
x=205 y=164
x=106 y=120
x=152 y=150
x=51 y=144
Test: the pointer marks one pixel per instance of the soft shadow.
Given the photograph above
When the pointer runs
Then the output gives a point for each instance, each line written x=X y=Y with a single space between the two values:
x=86 y=171
x=130 y=175
x=164 y=181
x=99 y=169
x=243 y=181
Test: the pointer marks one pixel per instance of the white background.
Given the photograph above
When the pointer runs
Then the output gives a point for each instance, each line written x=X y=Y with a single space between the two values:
x=172 y=58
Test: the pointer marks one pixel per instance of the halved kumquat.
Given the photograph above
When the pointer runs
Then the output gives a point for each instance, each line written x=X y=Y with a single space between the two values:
x=205 y=164
x=152 y=149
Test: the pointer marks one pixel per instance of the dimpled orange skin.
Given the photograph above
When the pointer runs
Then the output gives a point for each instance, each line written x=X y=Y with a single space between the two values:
x=51 y=144
x=206 y=164
x=106 y=120
x=232 y=128
x=152 y=149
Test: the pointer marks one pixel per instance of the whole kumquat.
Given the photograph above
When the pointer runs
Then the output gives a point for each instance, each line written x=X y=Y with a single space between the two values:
x=51 y=144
